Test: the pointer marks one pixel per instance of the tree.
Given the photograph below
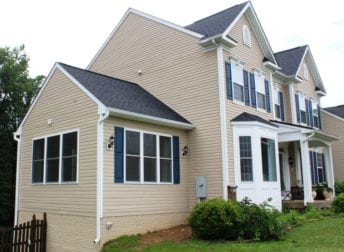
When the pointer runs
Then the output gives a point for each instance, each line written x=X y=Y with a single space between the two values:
x=17 y=91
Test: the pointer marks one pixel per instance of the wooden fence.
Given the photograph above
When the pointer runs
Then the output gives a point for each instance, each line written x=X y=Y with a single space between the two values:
x=26 y=237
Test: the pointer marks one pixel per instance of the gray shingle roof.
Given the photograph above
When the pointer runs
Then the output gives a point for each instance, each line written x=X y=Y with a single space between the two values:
x=247 y=117
x=289 y=60
x=121 y=94
x=216 y=23
x=336 y=110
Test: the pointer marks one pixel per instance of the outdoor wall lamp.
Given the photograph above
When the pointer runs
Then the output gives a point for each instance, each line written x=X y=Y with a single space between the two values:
x=185 y=150
x=111 y=142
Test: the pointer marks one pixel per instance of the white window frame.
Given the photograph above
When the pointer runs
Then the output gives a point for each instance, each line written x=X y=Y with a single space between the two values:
x=302 y=107
x=141 y=168
x=45 y=137
x=277 y=101
x=246 y=158
x=260 y=88
x=315 y=114
x=238 y=68
x=246 y=36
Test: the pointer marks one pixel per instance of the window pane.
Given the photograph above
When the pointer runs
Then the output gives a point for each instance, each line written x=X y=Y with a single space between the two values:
x=315 y=121
x=303 y=116
x=238 y=92
x=149 y=142
x=150 y=169
x=53 y=146
x=246 y=169
x=165 y=147
x=245 y=158
x=268 y=159
x=133 y=142
x=261 y=100
x=52 y=170
x=37 y=171
x=277 y=111
x=38 y=149
x=70 y=144
x=132 y=168
x=69 y=169
x=165 y=170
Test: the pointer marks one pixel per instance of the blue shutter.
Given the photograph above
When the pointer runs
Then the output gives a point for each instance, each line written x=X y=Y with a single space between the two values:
x=297 y=108
x=319 y=119
x=267 y=96
x=307 y=112
x=281 y=105
x=119 y=139
x=176 y=162
x=229 y=81
x=246 y=88
x=324 y=168
x=310 y=113
x=314 y=169
x=253 y=91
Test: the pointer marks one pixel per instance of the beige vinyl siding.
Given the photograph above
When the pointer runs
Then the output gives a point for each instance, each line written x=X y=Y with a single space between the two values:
x=252 y=57
x=335 y=126
x=177 y=70
x=134 y=208
x=306 y=86
x=69 y=108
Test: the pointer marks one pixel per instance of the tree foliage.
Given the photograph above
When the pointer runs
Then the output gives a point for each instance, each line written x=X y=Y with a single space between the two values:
x=17 y=91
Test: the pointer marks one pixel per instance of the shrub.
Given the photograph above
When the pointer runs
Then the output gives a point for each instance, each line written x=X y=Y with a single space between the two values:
x=216 y=219
x=292 y=218
x=338 y=204
x=339 y=187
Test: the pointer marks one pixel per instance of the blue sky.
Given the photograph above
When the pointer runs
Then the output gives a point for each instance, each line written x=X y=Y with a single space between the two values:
x=72 y=31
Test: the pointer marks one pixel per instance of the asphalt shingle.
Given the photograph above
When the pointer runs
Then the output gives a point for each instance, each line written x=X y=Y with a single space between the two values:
x=247 y=117
x=336 y=110
x=289 y=60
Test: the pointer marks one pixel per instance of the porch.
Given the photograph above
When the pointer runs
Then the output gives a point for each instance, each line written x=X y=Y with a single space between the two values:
x=299 y=204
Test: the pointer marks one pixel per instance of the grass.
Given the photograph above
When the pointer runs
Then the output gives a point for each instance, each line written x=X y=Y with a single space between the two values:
x=322 y=235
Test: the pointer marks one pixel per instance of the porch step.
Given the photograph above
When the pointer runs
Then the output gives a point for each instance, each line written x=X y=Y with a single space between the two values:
x=299 y=204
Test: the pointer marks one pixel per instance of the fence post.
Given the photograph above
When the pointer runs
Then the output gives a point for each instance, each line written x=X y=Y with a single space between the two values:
x=32 y=234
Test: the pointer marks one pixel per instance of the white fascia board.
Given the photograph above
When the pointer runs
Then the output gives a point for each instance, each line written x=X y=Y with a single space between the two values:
x=333 y=115
x=19 y=130
x=300 y=63
x=150 y=17
x=272 y=66
x=255 y=123
x=218 y=40
x=230 y=27
x=325 y=136
x=79 y=85
x=149 y=119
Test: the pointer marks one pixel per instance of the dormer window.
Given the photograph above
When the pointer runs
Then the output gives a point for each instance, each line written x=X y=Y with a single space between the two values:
x=246 y=35
x=305 y=71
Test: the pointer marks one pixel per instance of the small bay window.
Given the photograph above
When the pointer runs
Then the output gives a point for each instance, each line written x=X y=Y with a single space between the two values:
x=268 y=159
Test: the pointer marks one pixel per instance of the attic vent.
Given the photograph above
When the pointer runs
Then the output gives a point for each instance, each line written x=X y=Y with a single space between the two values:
x=246 y=35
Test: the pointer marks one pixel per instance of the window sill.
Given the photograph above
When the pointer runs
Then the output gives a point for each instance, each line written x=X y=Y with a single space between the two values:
x=238 y=102
x=55 y=183
x=147 y=183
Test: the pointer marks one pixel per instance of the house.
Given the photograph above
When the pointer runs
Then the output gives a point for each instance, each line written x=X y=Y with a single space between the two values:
x=165 y=116
x=333 y=122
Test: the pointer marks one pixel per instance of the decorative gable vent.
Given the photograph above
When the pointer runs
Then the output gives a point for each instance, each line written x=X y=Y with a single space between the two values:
x=246 y=35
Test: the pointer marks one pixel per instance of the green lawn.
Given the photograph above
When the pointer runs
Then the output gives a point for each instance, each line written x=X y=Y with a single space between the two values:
x=322 y=235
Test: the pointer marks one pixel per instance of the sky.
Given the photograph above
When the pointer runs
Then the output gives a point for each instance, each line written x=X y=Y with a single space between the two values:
x=72 y=31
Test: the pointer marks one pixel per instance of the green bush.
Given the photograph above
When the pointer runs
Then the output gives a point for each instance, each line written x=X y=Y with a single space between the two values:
x=216 y=219
x=292 y=218
x=338 y=203
x=339 y=187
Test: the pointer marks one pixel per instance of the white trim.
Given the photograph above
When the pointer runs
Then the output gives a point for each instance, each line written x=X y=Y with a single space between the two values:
x=149 y=119
x=45 y=137
x=292 y=103
x=230 y=27
x=150 y=17
x=16 y=202
x=330 y=114
x=141 y=157
x=223 y=120
x=254 y=123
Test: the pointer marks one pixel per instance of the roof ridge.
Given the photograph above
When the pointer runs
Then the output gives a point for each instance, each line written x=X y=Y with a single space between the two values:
x=100 y=74
x=202 y=19
x=291 y=49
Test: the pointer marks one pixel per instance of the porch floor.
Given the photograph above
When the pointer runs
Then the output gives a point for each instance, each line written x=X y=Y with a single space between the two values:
x=299 y=204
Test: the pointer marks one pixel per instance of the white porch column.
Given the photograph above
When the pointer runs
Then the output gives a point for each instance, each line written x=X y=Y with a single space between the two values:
x=306 y=172
x=286 y=170
x=329 y=166
x=297 y=164
x=292 y=102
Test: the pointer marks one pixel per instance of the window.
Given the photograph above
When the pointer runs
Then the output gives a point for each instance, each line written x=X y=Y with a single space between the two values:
x=245 y=158
x=238 y=82
x=305 y=71
x=268 y=159
x=320 y=167
x=55 y=158
x=246 y=35
x=148 y=157
x=260 y=89
x=315 y=114
x=303 y=111
x=277 y=103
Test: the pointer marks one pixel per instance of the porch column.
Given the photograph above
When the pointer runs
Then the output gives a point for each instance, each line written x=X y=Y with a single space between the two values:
x=329 y=166
x=306 y=172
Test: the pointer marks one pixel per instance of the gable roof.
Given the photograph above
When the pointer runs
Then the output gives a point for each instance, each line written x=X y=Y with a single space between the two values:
x=216 y=23
x=336 y=110
x=123 y=95
x=247 y=117
x=290 y=60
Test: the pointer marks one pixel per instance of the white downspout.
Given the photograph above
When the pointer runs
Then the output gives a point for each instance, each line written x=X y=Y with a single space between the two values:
x=16 y=137
x=103 y=114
